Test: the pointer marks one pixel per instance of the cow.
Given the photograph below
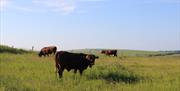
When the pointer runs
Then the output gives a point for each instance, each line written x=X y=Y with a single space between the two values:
x=109 y=52
x=47 y=50
x=73 y=61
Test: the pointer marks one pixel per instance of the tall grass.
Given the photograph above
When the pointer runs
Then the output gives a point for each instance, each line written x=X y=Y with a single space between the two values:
x=28 y=72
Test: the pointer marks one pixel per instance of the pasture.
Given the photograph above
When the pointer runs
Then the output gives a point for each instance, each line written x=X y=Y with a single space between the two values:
x=28 y=72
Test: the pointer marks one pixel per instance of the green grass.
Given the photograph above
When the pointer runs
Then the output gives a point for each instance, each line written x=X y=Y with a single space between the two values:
x=28 y=72
x=22 y=70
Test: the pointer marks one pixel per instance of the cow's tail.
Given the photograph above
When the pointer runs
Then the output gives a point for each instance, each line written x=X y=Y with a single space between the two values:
x=57 y=64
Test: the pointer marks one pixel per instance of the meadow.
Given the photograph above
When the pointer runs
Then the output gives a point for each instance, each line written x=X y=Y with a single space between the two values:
x=27 y=72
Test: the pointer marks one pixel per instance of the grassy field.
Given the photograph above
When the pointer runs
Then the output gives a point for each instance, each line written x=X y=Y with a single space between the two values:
x=28 y=72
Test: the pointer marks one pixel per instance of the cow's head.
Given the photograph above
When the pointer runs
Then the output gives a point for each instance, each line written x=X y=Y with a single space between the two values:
x=91 y=58
x=103 y=51
x=40 y=53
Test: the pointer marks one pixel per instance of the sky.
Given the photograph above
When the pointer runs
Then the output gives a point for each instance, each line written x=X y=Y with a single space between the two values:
x=80 y=24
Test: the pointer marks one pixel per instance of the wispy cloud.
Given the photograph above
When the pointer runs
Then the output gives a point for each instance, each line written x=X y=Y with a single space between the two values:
x=161 y=1
x=65 y=6
x=11 y=4
x=3 y=4
x=61 y=6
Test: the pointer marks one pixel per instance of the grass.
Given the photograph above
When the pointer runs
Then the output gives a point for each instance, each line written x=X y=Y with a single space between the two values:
x=28 y=72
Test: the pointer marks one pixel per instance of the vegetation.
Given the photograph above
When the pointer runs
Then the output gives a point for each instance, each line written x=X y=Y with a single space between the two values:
x=8 y=49
x=28 y=72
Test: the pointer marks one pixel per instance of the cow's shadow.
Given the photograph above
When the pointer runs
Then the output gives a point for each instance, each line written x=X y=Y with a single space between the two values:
x=115 y=77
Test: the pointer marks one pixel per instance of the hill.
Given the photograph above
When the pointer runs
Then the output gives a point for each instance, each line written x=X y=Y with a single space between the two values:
x=126 y=52
x=7 y=49
x=121 y=52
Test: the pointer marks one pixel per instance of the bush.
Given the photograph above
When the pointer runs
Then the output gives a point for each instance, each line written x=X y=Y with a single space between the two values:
x=7 y=49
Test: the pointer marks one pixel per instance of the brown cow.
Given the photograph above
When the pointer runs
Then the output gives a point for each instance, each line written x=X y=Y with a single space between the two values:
x=75 y=61
x=47 y=50
x=109 y=52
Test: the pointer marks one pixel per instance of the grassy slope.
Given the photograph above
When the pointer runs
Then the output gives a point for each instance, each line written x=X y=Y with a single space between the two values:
x=28 y=72
x=23 y=70
x=7 y=49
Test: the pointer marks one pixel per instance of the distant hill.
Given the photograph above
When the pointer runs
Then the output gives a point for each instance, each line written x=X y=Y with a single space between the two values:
x=123 y=52
x=7 y=49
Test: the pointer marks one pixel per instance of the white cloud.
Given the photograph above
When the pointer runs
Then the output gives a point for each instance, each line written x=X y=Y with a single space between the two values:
x=63 y=6
x=3 y=4
x=10 y=4
x=162 y=1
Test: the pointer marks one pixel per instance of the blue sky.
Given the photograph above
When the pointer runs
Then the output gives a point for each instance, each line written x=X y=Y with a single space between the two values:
x=79 y=24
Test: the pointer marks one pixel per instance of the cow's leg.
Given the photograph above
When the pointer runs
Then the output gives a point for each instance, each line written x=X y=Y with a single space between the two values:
x=57 y=69
x=81 y=71
x=75 y=71
x=50 y=53
x=60 y=71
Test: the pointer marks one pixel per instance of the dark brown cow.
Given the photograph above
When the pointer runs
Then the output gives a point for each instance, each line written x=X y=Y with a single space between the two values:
x=47 y=50
x=109 y=52
x=75 y=61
